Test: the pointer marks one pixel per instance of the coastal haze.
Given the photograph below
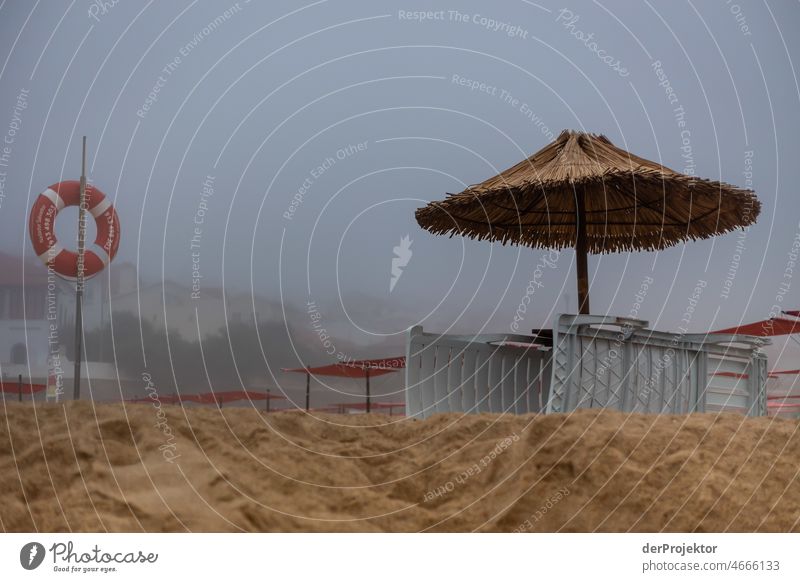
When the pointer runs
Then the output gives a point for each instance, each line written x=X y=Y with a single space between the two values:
x=266 y=160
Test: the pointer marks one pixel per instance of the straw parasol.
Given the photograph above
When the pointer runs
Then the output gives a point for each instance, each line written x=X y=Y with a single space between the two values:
x=583 y=192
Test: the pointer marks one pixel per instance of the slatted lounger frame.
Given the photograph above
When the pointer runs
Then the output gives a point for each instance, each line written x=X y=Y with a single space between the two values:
x=666 y=372
x=625 y=366
x=449 y=373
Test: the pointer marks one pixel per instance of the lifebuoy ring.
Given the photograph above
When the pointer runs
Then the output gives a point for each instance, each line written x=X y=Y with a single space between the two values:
x=42 y=229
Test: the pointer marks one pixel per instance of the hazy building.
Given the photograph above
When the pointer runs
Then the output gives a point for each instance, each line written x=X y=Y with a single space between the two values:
x=24 y=327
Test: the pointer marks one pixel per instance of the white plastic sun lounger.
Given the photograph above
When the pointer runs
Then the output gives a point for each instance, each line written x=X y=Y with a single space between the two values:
x=586 y=361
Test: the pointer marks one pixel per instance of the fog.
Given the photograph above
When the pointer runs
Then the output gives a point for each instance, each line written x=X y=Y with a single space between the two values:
x=265 y=159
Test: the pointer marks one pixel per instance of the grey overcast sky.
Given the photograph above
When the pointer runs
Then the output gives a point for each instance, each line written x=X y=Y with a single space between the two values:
x=321 y=126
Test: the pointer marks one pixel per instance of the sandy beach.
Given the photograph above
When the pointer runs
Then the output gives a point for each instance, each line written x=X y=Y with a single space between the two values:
x=84 y=467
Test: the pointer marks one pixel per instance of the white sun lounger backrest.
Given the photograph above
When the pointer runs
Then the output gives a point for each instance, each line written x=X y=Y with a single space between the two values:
x=452 y=373
x=595 y=362
x=736 y=384
x=625 y=366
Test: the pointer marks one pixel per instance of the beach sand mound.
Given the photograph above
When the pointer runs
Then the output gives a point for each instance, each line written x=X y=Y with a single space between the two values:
x=84 y=467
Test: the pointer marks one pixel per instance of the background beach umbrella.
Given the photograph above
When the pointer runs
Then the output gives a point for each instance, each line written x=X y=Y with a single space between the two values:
x=583 y=192
x=352 y=369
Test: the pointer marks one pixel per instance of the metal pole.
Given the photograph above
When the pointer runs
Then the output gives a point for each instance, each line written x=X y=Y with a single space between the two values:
x=308 y=389
x=79 y=279
x=580 y=255
x=267 y=399
x=368 y=402
x=20 y=387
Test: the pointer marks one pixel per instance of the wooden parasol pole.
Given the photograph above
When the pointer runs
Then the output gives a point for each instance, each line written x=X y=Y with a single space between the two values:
x=79 y=279
x=581 y=255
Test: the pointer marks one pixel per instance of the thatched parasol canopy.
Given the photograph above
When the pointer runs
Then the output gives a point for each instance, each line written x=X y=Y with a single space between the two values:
x=582 y=191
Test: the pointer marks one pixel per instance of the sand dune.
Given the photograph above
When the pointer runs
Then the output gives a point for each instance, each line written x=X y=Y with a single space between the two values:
x=95 y=468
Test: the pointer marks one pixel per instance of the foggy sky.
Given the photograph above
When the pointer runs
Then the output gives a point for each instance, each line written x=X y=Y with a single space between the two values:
x=269 y=103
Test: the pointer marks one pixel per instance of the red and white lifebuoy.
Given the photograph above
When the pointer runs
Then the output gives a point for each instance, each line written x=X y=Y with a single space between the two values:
x=42 y=228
